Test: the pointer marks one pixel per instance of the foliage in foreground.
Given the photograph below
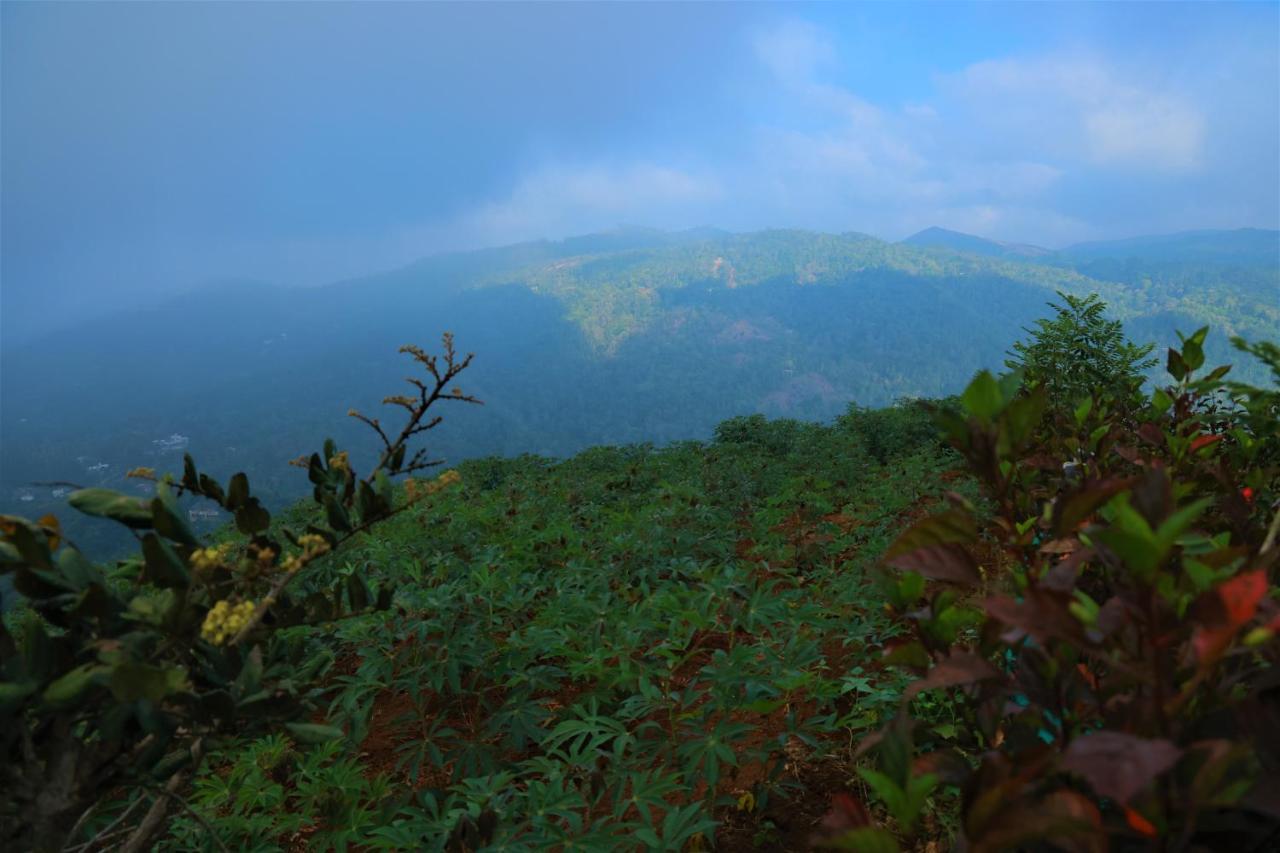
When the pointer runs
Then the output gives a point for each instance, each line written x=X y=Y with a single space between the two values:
x=127 y=675
x=1110 y=635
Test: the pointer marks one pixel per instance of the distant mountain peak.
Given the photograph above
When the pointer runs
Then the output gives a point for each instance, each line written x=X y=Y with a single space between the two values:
x=945 y=238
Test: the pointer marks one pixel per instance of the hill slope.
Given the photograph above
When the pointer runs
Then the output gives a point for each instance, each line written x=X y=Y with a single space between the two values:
x=630 y=336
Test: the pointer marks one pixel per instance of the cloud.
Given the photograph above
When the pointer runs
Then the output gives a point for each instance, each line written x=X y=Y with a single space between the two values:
x=1050 y=149
x=1083 y=109
x=569 y=199
x=794 y=49
x=834 y=158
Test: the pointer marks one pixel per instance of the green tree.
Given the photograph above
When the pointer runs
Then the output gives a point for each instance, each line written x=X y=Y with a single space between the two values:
x=1079 y=352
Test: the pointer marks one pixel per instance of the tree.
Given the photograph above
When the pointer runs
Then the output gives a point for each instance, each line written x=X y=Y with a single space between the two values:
x=1079 y=352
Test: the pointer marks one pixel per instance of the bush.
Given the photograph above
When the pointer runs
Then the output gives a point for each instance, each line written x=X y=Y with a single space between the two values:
x=125 y=677
x=1110 y=635
x=1079 y=352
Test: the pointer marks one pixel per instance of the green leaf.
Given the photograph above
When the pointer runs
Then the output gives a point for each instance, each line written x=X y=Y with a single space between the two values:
x=169 y=519
x=190 y=477
x=1177 y=524
x=212 y=489
x=1022 y=416
x=133 y=681
x=76 y=569
x=252 y=518
x=1082 y=410
x=104 y=503
x=983 y=398
x=13 y=692
x=250 y=677
x=153 y=608
x=237 y=491
x=336 y=514
x=67 y=689
x=369 y=505
x=164 y=566
x=311 y=733
x=894 y=798
x=357 y=592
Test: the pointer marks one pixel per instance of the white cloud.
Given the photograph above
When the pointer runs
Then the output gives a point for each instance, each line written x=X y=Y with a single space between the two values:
x=990 y=151
x=794 y=49
x=565 y=199
x=1080 y=108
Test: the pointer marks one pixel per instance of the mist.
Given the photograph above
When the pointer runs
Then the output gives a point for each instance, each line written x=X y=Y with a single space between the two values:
x=152 y=149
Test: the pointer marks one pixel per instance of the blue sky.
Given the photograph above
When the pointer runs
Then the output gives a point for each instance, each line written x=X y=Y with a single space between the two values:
x=151 y=148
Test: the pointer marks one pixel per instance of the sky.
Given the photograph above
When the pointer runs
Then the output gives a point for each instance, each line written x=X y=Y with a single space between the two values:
x=151 y=148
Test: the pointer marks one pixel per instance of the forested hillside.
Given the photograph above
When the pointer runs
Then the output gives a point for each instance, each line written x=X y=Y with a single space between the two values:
x=678 y=331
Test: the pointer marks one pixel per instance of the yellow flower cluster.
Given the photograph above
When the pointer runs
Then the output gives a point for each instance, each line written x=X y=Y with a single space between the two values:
x=414 y=489
x=263 y=556
x=141 y=473
x=313 y=545
x=340 y=461
x=224 y=621
x=205 y=559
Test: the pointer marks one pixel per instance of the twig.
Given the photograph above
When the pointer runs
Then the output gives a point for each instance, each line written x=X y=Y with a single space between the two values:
x=1272 y=532
x=141 y=838
x=199 y=818
x=84 y=818
x=110 y=830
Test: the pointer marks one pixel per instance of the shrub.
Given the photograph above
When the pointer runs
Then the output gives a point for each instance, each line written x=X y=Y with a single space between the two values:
x=1077 y=352
x=125 y=677
x=1110 y=634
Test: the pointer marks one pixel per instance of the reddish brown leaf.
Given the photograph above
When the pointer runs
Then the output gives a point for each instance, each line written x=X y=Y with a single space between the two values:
x=1070 y=511
x=959 y=668
x=847 y=812
x=1240 y=596
x=953 y=527
x=1227 y=608
x=1065 y=818
x=1061 y=577
x=1151 y=434
x=1119 y=765
x=1060 y=546
x=1130 y=454
x=1042 y=613
x=951 y=563
x=948 y=765
x=1139 y=823
x=1204 y=441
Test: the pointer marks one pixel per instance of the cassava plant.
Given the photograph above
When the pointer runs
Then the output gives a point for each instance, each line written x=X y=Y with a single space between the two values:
x=1106 y=624
x=124 y=676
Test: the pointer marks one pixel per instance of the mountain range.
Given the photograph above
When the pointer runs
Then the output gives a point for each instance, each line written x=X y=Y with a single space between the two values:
x=633 y=335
